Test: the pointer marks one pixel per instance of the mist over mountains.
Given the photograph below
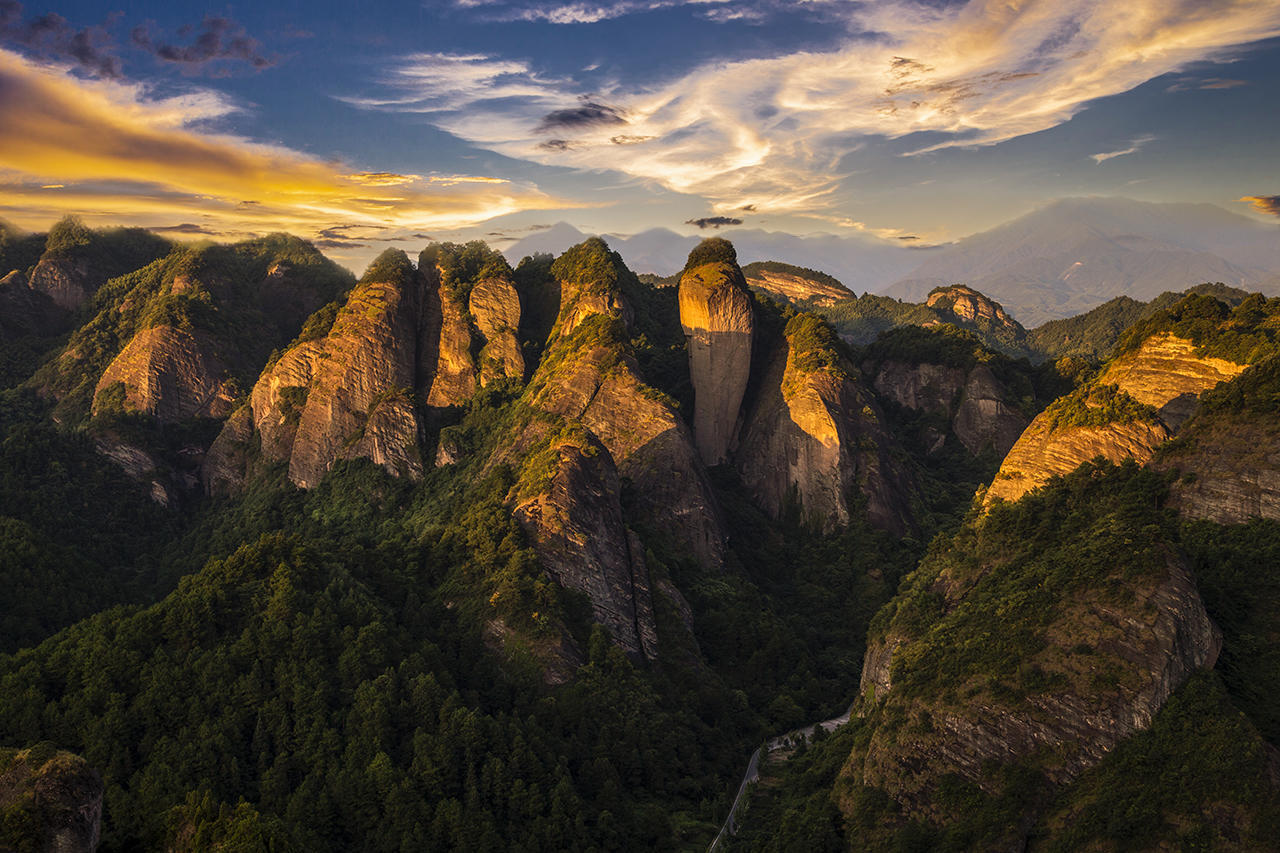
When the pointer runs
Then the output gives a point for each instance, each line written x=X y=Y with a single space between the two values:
x=1059 y=260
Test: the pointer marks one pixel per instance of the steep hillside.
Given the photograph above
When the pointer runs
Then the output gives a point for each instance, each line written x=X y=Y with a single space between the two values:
x=1145 y=393
x=1092 y=335
x=788 y=283
x=49 y=800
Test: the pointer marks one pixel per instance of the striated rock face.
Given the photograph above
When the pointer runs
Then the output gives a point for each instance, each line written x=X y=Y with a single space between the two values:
x=495 y=304
x=67 y=281
x=969 y=305
x=575 y=523
x=1227 y=456
x=448 y=358
x=796 y=288
x=815 y=435
x=981 y=410
x=1158 y=640
x=1001 y=651
x=715 y=311
x=347 y=395
x=170 y=373
x=1230 y=477
x=600 y=388
x=62 y=812
x=357 y=403
x=1166 y=373
x=1043 y=452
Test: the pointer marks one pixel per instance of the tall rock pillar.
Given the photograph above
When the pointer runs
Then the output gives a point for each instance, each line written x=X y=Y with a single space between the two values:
x=715 y=312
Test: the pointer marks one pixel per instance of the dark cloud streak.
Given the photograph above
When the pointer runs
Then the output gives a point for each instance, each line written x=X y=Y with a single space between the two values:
x=716 y=222
x=1264 y=203
x=218 y=39
x=51 y=36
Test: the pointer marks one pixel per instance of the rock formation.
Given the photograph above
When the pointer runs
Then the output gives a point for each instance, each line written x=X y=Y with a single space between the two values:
x=715 y=311
x=347 y=395
x=982 y=411
x=815 y=435
x=495 y=305
x=1002 y=651
x=589 y=375
x=573 y=515
x=1227 y=457
x=1165 y=372
x=1153 y=644
x=1044 y=451
x=52 y=800
x=170 y=373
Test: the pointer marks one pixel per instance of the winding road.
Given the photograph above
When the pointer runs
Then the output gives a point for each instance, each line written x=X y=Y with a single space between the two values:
x=730 y=826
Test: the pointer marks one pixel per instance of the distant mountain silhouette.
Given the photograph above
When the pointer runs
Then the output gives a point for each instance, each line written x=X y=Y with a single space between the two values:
x=1074 y=254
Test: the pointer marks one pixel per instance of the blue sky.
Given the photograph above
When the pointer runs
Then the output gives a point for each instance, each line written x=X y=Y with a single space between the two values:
x=364 y=125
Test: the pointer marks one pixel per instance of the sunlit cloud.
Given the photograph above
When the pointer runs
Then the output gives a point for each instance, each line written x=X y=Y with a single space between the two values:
x=1264 y=203
x=116 y=154
x=1134 y=147
x=778 y=131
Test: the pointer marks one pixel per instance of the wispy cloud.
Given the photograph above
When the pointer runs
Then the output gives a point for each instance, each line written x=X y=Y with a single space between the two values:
x=1135 y=145
x=1264 y=203
x=773 y=131
x=121 y=155
x=572 y=13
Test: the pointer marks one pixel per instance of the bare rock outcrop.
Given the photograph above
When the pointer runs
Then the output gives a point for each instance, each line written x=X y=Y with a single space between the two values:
x=815 y=435
x=67 y=281
x=1043 y=653
x=1044 y=451
x=347 y=395
x=573 y=515
x=495 y=305
x=450 y=363
x=53 y=798
x=589 y=375
x=1165 y=372
x=981 y=410
x=969 y=305
x=1154 y=643
x=715 y=311
x=171 y=373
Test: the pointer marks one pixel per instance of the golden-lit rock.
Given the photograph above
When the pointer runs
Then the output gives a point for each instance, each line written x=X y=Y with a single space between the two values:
x=715 y=312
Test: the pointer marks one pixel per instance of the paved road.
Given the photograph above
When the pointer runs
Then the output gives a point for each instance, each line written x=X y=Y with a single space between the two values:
x=730 y=826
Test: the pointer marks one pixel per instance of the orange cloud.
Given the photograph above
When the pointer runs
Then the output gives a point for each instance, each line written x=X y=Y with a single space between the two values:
x=114 y=154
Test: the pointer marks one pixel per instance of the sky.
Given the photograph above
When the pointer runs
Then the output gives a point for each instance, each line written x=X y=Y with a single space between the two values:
x=364 y=125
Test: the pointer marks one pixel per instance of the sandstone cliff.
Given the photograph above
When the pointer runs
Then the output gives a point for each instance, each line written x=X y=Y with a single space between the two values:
x=1166 y=373
x=793 y=284
x=1044 y=451
x=715 y=311
x=568 y=502
x=815 y=436
x=52 y=801
x=589 y=375
x=170 y=373
x=981 y=410
x=347 y=395
x=1228 y=454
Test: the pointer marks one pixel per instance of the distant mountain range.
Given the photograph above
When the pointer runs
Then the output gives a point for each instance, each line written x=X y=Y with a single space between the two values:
x=1062 y=259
